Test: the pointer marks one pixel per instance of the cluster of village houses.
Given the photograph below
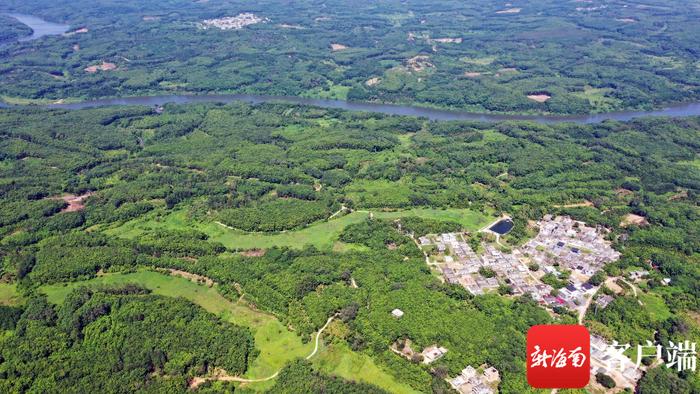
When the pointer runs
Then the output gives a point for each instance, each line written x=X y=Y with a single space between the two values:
x=562 y=244
x=485 y=380
x=610 y=361
x=470 y=381
x=233 y=22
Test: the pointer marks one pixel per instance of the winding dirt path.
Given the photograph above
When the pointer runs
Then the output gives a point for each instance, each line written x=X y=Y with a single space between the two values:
x=222 y=376
x=318 y=336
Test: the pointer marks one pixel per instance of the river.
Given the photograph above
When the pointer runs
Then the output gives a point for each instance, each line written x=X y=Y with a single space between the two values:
x=40 y=27
x=679 y=110
x=43 y=28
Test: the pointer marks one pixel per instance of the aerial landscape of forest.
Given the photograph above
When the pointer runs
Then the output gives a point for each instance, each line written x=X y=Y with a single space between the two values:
x=538 y=56
x=287 y=248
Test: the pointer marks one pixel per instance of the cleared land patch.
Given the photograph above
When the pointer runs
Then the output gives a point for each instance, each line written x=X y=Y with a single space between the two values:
x=321 y=234
x=75 y=203
x=540 y=98
x=632 y=219
x=105 y=66
x=510 y=11
x=335 y=47
x=8 y=294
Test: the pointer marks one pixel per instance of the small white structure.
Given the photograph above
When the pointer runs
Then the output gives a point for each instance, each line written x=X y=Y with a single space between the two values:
x=638 y=275
x=468 y=372
x=433 y=353
x=397 y=313
x=491 y=375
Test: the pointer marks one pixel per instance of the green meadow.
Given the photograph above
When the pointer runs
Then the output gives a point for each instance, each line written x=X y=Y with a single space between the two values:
x=8 y=294
x=322 y=235
x=277 y=345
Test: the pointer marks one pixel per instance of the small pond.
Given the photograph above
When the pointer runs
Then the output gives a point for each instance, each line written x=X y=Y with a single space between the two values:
x=503 y=227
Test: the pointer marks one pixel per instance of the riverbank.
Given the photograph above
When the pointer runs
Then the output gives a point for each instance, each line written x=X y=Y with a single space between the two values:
x=679 y=110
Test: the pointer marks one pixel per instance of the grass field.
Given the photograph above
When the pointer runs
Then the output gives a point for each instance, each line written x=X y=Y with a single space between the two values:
x=339 y=360
x=598 y=99
x=277 y=345
x=321 y=234
x=8 y=294
x=656 y=306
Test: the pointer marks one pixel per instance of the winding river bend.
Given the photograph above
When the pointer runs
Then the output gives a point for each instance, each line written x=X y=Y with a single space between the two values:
x=40 y=27
x=680 y=110
x=43 y=28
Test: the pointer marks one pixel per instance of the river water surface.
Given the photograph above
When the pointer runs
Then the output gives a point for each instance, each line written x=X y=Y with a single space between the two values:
x=691 y=109
x=40 y=27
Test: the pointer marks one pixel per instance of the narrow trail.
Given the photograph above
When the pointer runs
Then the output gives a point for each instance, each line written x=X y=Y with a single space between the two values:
x=582 y=313
x=427 y=259
x=318 y=336
x=224 y=225
x=196 y=381
x=343 y=208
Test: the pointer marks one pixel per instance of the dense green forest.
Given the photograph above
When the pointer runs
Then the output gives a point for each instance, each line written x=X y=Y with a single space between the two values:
x=526 y=56
x=11 y=29
x=189 y=173
x=117 y=340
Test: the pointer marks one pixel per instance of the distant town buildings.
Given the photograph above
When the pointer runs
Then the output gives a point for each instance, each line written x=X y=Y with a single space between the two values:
x=232 y=22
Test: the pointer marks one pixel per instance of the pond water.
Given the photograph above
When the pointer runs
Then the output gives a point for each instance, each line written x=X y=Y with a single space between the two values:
x=40 y=27
x=503 y=227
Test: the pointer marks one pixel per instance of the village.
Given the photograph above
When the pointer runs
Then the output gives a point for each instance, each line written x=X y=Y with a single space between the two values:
x=563 y=245
x=563 y=248
x=233 y=22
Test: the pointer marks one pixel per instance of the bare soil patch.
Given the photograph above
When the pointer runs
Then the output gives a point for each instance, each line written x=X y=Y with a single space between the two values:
x=192 y=277
x=253 y=253
x=614 y=287
x=471 y=74
x=632 y=219
x=81 y=30
x=75 y=203
x=287 y=26
x=373 y=81
x=540 y=98
x=575 y=205
x=457 y=40
x=510 y=11
x=419 y=63
x=679 y=196
x=335 y=47
x=695 y=316
x=105 y=66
